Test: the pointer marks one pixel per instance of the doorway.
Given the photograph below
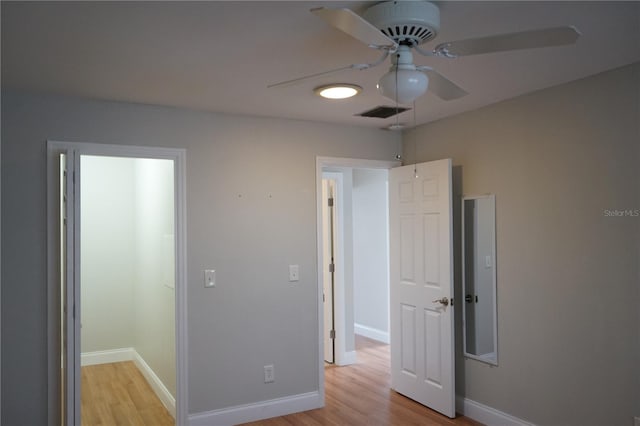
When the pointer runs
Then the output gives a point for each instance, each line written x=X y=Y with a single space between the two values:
x=357 y=245
x=420 y=278
x=119 y=263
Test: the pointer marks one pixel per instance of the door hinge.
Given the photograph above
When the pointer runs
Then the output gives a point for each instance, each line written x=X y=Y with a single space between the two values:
x=332 y=267
x=323 y=298
x=332 y=334
x=330 y=202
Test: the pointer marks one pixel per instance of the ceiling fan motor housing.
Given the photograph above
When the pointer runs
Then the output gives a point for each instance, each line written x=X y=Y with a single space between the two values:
x=406 y=22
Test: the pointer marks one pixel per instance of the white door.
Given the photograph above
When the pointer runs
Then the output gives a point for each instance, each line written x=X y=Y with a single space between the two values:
x=69 y=296
x=421 y=284
x=328 y=240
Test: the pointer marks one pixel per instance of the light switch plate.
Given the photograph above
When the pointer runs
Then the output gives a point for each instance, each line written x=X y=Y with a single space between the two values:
x=209 y=278
x=269 y=374
x=294 y=273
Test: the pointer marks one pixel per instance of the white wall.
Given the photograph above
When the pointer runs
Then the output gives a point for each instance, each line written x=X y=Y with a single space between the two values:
x=107 y=253
x=251 y=211
x=568 y=274
x=127 y=209
x=154 y=312
x=370 y=248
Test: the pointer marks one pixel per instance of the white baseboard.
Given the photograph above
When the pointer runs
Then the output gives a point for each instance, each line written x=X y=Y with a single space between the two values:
x=257 y=411
x=487 y=415
x=106 y=357
x=346 y=358
x=156 y=384
x=372 y=333
x=130 y=354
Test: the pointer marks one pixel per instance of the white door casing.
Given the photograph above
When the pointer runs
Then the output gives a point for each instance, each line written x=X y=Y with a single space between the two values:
x=421 y=273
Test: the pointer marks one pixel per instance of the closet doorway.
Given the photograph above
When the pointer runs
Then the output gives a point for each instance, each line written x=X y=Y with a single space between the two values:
x=120 y=290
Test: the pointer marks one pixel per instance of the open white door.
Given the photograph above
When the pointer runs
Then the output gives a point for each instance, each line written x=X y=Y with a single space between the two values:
x=421 y=284
x=70 y=330
x=328 y=239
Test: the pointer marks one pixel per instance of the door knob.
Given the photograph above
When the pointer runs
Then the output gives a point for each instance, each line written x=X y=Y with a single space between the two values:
x=444 y=301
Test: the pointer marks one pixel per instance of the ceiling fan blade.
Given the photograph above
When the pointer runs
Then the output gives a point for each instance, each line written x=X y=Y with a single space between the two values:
x=359 y=67
x=548 y=37
x=309 y=77
x=356 y=26
x=441 y=86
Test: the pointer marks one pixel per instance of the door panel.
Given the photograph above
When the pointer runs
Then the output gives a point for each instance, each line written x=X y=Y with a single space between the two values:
x=421 y=271
x=431 y=245
x=433 y=361
x=407 y=250
x=408 y=342
x=328 y=240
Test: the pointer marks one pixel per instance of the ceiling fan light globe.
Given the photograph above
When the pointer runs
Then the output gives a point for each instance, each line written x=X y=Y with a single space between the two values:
x=411 y=85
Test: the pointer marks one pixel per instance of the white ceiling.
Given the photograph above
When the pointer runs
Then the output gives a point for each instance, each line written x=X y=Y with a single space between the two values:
x=220 y=56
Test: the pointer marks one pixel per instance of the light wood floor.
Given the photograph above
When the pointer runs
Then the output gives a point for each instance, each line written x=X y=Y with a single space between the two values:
x=360 y=394
x=118 y=394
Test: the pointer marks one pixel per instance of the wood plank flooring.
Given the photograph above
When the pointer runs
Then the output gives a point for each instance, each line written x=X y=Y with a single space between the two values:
x=360 y=394
x=118 y=394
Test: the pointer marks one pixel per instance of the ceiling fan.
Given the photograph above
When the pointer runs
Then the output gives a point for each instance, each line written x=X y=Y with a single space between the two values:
x=397 y=28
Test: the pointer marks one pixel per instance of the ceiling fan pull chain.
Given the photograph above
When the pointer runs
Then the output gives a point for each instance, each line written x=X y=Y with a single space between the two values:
x=415 y=144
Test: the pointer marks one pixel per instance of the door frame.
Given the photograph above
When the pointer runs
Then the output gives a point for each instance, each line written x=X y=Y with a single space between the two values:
x=54 y=148
x=321 y=163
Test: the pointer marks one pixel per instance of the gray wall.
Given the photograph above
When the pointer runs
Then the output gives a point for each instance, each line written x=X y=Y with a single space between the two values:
x=637 y=369
x=567 y=274
x=251 y=211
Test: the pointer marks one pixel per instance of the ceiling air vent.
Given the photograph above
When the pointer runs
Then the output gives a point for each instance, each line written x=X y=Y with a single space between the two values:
x=383 y=112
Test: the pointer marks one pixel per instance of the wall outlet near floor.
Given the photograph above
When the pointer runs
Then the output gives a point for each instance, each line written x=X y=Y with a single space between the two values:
x=269 y=374
x=636 y=421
